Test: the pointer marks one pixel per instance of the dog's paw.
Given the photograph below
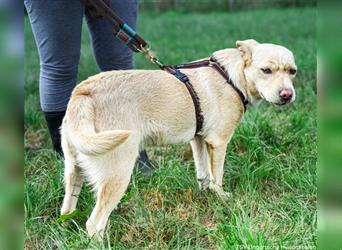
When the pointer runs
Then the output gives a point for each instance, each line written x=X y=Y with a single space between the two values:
x=93 y=233
x=203 y=183
x=65 y=217
x=65 y=210
x=220 y=192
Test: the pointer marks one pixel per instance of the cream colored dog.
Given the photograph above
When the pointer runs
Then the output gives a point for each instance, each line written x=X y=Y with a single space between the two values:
x=113 y=114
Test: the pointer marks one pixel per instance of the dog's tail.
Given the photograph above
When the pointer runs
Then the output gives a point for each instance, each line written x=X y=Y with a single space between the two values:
x=79 y=125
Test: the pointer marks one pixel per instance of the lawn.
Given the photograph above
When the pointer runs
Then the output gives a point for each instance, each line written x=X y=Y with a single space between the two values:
x=270 y=166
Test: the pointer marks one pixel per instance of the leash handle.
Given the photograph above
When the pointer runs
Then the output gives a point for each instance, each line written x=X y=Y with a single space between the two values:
x=122 y=30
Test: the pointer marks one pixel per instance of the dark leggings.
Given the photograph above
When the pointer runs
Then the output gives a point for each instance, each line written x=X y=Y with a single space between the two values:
x=57 y=27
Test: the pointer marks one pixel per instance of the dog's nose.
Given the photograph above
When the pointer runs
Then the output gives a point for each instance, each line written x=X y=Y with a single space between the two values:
x=286 y=94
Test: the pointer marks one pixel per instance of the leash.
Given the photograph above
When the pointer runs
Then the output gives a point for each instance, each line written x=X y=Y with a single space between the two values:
x=100 y=8
x=126 y=34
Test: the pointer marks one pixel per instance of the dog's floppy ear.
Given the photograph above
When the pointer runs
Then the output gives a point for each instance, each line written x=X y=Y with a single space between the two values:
x=246 y=47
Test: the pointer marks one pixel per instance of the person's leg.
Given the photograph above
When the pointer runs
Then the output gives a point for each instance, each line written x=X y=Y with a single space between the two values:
x=112 y=54
x=56 y=26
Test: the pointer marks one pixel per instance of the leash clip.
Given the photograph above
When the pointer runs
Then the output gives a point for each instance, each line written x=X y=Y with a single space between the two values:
x=150 y=55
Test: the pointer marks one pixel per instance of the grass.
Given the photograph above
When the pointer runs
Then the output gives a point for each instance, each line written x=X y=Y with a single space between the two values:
x=270 y=165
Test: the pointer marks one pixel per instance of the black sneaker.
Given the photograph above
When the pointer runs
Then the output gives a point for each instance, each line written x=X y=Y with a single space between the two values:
x=54 y=122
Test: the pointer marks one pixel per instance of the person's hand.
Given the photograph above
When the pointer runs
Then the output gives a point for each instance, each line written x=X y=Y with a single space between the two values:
x=90 y=6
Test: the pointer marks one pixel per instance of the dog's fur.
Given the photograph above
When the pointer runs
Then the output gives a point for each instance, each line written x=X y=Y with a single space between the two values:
x=113 y=114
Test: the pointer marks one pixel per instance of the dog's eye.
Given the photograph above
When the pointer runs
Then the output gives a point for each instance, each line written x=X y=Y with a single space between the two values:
x=267 y=71
x=292 y=71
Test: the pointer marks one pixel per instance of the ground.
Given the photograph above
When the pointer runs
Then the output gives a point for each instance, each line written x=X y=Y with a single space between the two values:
x=270 y=166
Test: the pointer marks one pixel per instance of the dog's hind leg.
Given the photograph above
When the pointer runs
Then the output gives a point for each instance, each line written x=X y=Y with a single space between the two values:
x=108 y=196
x=202 y=161
x=110 y=191
x=73 y=181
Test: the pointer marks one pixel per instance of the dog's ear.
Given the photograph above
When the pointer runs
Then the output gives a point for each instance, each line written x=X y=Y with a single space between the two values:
x=246 y=47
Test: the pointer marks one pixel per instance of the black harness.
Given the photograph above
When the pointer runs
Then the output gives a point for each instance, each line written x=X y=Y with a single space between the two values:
x=101 y=8
x=212 y=62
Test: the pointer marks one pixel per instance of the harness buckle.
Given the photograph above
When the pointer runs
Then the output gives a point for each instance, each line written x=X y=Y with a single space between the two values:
x=182 y=77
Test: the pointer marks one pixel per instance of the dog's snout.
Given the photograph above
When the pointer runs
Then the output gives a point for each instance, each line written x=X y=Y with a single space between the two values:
x=286 y=94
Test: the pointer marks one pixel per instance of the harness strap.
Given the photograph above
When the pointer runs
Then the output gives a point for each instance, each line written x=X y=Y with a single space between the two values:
x=215 y=64
x=212 y=62
x=195 y=99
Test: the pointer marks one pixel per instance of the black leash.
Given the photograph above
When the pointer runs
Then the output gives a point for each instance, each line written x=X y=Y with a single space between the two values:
x=101 y=8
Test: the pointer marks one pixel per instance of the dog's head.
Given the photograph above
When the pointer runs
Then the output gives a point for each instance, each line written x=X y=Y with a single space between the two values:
x=271 y=70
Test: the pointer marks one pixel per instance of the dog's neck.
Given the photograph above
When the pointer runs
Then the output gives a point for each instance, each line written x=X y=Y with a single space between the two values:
x=233 y=63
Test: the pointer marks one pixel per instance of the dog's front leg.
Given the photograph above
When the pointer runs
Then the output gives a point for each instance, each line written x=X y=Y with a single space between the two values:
x=202 y=161
x=217 y=155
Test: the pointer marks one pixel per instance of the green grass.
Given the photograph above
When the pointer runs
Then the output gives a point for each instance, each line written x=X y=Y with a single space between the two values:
x=270 y=165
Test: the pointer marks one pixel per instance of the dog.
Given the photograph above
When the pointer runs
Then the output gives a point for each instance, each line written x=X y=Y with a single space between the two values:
x=112 y=115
